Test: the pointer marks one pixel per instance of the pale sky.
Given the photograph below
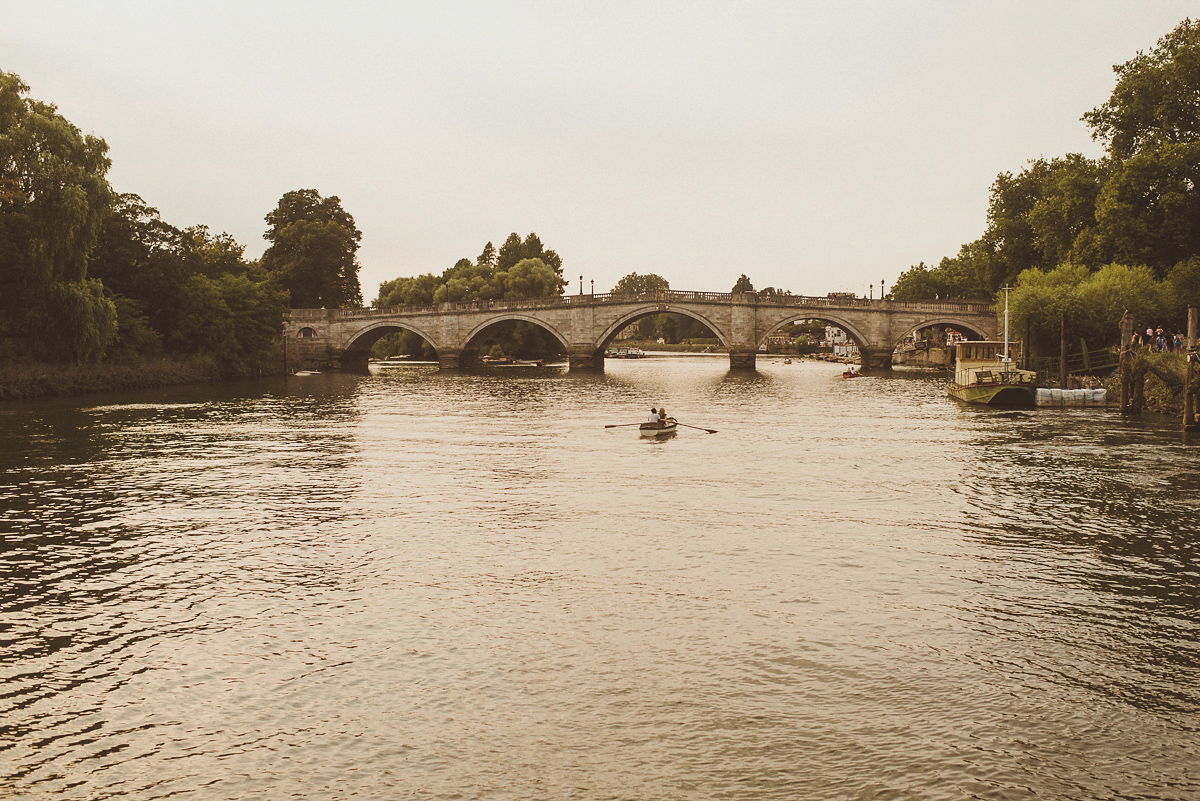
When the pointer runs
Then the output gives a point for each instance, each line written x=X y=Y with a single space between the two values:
x=814 y=146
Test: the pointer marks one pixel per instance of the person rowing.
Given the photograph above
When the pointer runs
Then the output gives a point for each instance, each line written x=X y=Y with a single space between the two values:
x=660 y=423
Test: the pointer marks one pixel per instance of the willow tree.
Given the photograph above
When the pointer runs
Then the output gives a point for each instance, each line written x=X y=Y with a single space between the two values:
x=53 y=199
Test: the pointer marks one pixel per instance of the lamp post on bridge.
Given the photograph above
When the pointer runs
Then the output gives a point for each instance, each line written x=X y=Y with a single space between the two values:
x=581 y=285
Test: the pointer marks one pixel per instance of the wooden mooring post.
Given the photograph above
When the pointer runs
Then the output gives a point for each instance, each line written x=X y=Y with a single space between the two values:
x=1126 y=399
x=1062 y=354
x=1189 y=389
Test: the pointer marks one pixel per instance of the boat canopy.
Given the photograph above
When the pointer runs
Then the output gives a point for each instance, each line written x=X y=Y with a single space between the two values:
x=984 y=351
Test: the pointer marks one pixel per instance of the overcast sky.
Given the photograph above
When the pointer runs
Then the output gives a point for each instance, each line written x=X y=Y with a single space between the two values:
x=814 y=146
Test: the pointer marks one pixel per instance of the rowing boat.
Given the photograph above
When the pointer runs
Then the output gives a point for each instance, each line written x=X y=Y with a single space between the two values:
x=659 y=428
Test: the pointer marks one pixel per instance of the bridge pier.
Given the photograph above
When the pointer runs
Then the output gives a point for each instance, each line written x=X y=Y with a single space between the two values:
x=742 y=359
x=354 y=361
x=585 y=359
x=449 y=359
x=871 y=359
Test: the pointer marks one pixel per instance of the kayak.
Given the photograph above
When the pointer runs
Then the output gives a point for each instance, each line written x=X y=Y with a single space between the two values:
x=658 y=429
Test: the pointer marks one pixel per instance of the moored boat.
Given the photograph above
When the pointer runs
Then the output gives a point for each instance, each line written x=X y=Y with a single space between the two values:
x=659 y=428
x=984 y=373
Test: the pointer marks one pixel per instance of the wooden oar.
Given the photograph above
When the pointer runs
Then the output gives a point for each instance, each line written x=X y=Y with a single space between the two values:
x=620 y=425
x=698 y=428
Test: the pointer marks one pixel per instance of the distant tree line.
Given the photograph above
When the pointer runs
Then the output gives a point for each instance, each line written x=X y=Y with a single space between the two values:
x=521 y=268
x=1091 y=238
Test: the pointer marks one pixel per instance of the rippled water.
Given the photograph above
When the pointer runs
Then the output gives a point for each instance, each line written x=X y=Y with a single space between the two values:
x=429 y=585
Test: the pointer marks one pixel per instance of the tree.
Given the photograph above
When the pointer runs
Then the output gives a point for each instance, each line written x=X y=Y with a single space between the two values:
x=53 y=198
x=1063 y=217
x=488 y=257
x=515 y=249
x=1150 y=126
x=1137 y=206
x=634 y=284
x=917 y=283
x=743 y=284
x=1148 y=211
x=147 y=265
x=1184 y=279
x=494 y=275
x=232 y=319
x=1154 y=102
x=531 y=278
x=312 y=253
x=215 y=255
x=138 y=259
x=522 y=268
x=1094 y=302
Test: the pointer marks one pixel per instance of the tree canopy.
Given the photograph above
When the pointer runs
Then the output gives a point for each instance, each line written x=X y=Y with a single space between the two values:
x=522 y=268
x=53 y=199
x=185 y=291
x=1138 y=206
x=313 y=250
x=634 y=284
x=742 y=284
x=1094 y=302
x=1153 y=105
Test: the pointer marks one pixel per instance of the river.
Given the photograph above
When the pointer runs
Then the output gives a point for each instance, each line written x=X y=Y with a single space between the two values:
x=427 y=585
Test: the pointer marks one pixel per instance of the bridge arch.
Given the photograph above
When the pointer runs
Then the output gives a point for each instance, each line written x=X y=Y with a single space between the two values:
x=469 y=347
x=500 y=318
x=861 y=341
x=525 y=318
x=950 y=322
x=632 y=317
x=360 y=341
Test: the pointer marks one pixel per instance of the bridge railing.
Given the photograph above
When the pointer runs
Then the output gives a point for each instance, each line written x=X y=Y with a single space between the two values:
x=662 y=297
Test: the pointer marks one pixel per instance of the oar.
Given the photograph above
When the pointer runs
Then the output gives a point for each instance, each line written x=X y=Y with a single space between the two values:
x=620 y=425
x=698 y=428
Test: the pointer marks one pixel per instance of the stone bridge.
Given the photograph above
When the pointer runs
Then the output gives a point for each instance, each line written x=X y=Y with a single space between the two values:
x=586 y=324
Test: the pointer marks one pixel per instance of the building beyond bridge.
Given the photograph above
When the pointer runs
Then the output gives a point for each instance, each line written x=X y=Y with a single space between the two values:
x=586 y=324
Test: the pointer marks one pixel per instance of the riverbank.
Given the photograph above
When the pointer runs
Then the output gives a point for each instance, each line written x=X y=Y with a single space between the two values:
x=1164 y=379
x=28 y=380
x=682 y=347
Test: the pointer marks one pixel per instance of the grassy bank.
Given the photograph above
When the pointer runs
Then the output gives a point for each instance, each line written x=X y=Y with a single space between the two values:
x=26 y=380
